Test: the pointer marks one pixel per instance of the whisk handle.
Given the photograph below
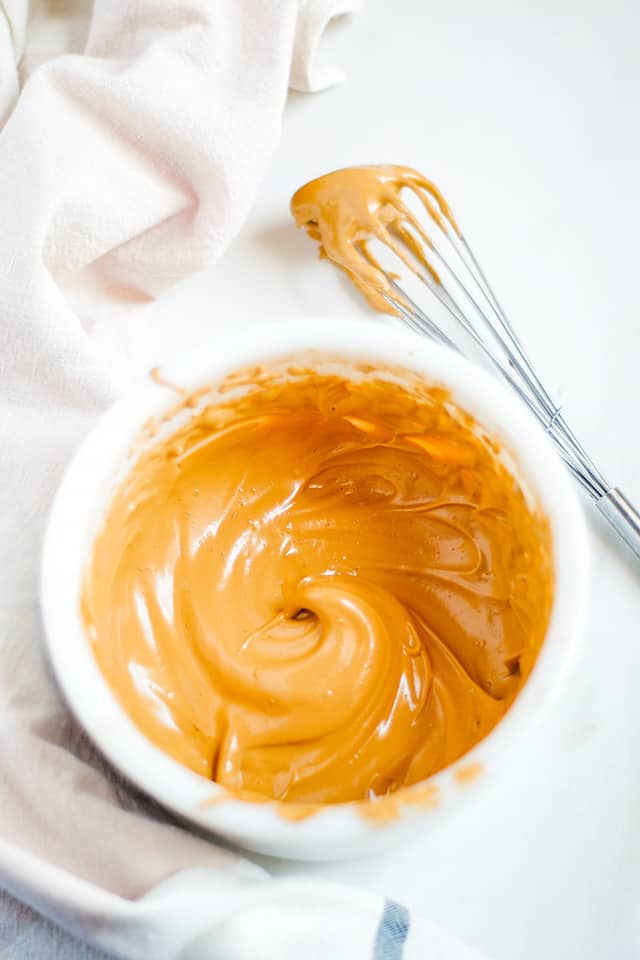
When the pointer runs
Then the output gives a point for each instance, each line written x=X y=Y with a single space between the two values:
x=623 y=517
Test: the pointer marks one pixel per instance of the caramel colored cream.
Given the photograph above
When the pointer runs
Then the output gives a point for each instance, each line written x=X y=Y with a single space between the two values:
x=346 y=209
x=318 y=589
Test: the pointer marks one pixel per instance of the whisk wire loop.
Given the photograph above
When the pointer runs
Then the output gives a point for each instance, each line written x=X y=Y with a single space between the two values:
x=460 y=286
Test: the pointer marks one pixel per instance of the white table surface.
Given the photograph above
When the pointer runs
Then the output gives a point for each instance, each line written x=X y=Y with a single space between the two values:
x=526 y=115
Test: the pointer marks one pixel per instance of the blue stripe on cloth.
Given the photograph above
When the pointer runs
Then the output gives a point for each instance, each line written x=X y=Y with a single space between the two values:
x=392 y=932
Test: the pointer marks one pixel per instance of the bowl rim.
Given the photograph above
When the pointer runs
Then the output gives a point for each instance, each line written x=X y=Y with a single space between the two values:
x=72 y=521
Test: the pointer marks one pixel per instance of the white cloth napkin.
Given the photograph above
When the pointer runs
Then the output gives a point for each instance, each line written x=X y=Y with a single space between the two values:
x=123 y=170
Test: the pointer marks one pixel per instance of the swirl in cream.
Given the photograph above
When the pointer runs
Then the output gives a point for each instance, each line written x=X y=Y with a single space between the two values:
x=319 y=590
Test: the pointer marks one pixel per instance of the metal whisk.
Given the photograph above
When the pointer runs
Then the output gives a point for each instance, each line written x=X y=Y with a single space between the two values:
x=447 y=267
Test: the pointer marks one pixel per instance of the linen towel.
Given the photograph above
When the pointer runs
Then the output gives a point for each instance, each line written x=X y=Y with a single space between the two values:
x=122 y=170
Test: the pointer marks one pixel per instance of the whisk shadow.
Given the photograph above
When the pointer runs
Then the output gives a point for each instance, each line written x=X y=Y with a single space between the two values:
x=285 y=242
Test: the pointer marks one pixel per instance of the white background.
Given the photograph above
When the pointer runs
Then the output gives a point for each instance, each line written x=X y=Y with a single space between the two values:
x=526 y=115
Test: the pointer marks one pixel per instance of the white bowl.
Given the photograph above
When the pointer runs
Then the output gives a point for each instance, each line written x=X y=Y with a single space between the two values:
x=340 y=830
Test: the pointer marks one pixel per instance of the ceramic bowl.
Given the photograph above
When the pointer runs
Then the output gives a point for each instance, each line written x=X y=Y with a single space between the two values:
x=343 y=829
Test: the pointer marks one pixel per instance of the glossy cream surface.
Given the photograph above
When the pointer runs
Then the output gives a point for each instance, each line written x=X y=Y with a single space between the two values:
x=319 y=589
x=347 y=209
